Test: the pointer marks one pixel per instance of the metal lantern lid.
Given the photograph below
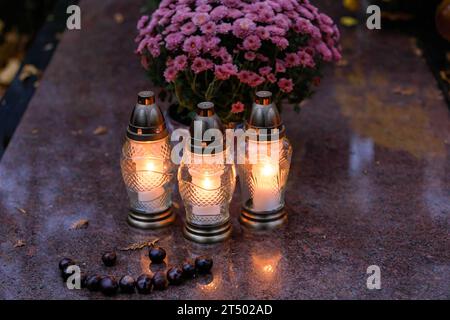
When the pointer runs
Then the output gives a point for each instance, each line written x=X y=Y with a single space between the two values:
x=146 y=121
x=205 y=119
x=265 y=115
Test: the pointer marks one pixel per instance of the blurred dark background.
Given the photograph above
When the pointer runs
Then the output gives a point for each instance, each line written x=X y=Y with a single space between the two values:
x=430 y=22
x=19 y=22
x=30 y=31
x=426 y=21
x=25 y=15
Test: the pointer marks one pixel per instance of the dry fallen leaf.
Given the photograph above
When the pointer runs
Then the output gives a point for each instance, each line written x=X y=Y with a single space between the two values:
x=29 y=70
x=404 y=91
x=119 y=18
x=100 y=130
x=443 y=75
x=22 y=210
x=342 y=63
x=348 y=21
x=80 y=224
x=351 y=5
x=9 y=72
x=139 y=245
x=415 y=48
x=418 y=52
x=19 y=243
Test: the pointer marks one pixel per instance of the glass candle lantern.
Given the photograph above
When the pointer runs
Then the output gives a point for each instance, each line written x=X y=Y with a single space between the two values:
x=264 y=173
x=147 y=169
x=206 y=181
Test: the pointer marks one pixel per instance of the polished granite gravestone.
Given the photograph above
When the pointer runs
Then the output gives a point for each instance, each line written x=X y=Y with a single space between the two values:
x=370 y=179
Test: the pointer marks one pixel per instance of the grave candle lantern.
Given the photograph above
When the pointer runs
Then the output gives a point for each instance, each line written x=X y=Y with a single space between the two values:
x=264 y=173
x=206 y=181
x=147 y=169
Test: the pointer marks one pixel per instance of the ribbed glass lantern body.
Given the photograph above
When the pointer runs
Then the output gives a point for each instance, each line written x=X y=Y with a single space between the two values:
x=148 y=173
x=264 y=174
x=206 y=187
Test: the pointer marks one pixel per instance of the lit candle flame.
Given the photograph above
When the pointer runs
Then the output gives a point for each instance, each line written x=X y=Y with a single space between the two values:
x=207 y=183
x=268 y=268
x=268 y=170
x=150 y=166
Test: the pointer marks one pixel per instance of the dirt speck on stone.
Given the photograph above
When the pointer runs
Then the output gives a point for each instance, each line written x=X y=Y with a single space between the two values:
x=19 y=243
x=49 y=46
x=118 y=18
x=76 y=132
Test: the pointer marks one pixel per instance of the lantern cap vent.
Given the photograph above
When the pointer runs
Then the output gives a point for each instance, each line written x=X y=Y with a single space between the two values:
x=264 y=118
x=147 y=121
x=204 y=120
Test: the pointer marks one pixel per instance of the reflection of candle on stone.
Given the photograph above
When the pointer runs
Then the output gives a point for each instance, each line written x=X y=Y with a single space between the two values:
x=150 y=170
x=207 y=187
x=212 y=284
x=266 y=266
x=266 y=196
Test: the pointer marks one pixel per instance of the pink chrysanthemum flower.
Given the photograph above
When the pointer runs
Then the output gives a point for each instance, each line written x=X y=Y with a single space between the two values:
x=224 y=28
x=237 y=107
x=188 y=28
x=170 y=74
x=243 y=27
x=225 y=71
x=209 y=28
x=286 y=85
x=200 y=65
x=180 y=62
x=264 y=71
x=271 y=78
x=292 y=60
x=200 y=18
x=250 y=55
x=232 y=47
x=193 y=45
x=252 y=42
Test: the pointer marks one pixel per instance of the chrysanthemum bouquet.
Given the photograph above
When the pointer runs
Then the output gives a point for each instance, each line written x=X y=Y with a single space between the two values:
x=224 y=50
